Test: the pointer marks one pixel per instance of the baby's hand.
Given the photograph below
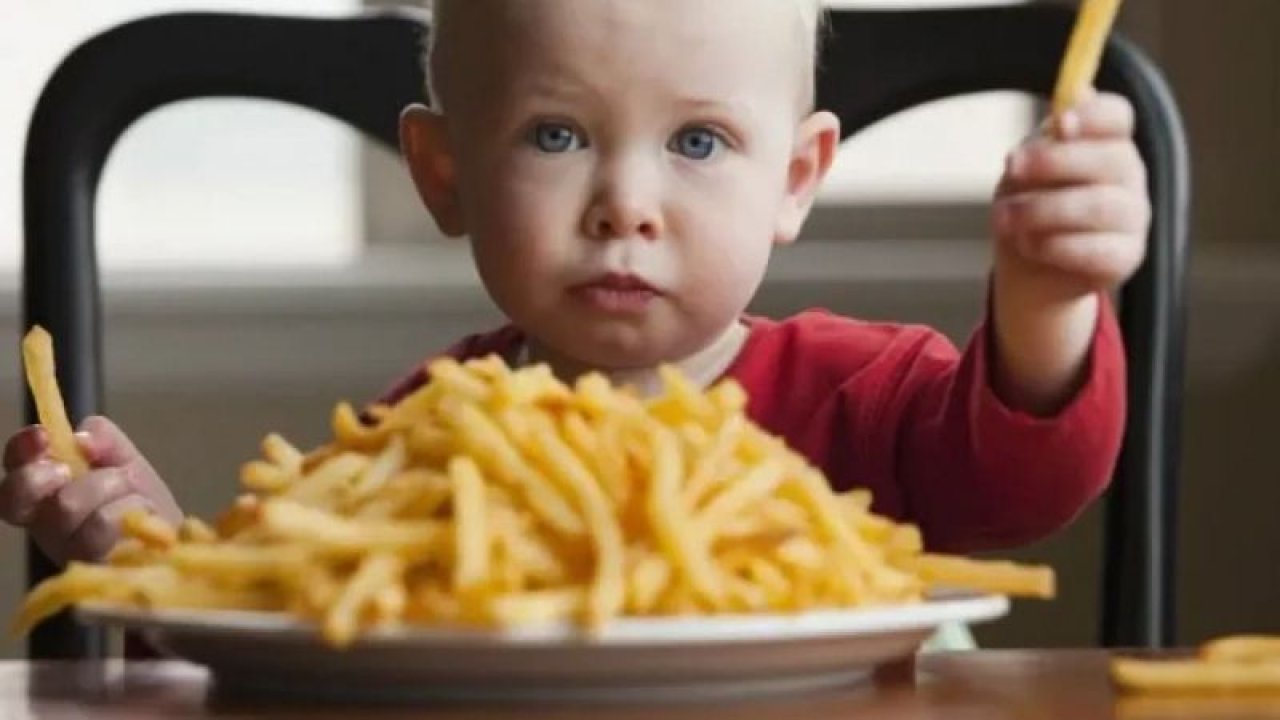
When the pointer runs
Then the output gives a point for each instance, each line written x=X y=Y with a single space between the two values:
x=79 y=519
x=1073 y=210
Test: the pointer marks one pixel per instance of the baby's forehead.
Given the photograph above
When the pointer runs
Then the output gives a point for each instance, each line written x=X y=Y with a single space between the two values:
x=809 y=11
x=705 y=35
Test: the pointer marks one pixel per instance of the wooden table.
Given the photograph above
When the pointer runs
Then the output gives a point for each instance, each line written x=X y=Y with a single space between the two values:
x=975 y=686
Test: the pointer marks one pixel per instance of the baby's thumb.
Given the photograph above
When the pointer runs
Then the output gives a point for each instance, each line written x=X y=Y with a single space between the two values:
x=104 y=443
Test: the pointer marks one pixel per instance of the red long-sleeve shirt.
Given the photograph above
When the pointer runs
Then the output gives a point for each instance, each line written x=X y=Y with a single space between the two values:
x=899 y=410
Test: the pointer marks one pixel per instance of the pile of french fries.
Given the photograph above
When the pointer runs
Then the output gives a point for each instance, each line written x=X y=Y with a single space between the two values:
x=1230 y=665
x=500 y=498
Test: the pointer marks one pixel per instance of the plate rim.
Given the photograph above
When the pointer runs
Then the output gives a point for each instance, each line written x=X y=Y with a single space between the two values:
x=621 y=632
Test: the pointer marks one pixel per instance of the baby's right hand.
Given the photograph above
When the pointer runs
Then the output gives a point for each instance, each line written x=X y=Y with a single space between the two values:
x=80 y=519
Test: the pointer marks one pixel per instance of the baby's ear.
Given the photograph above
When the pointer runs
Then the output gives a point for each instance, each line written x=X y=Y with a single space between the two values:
x=424 y=144
x=817 y=140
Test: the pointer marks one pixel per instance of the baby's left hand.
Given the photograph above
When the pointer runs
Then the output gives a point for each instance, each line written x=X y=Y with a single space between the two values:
x=1073 y=209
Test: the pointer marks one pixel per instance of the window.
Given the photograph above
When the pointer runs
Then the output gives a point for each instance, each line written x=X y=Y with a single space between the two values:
x=210 y=183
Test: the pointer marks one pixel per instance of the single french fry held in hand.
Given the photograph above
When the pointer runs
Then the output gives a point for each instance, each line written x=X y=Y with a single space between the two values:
x=42 y=379
x=1084 y=52
x=497 y=498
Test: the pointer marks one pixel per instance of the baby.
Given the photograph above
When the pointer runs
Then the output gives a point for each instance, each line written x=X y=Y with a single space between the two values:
x=623 y=171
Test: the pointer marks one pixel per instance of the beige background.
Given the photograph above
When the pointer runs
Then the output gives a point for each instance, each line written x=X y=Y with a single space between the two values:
x=200 y=377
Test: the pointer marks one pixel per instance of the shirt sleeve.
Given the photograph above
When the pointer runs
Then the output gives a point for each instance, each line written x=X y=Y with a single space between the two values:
x=977 y=475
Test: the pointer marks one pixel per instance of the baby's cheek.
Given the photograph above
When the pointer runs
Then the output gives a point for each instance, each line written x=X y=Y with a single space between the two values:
x=724 y=270
x=520 y=263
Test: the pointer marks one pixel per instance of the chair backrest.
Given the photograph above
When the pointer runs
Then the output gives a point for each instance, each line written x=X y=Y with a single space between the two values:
x=363 y=70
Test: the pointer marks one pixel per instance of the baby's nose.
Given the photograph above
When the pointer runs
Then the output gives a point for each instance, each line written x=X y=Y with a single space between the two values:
x=623 y=209
x=606 y=222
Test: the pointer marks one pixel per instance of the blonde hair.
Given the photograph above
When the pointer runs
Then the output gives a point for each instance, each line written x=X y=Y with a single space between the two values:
x=813 y=16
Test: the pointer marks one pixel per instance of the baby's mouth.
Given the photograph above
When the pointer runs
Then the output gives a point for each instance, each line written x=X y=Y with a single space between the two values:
x=619 y=293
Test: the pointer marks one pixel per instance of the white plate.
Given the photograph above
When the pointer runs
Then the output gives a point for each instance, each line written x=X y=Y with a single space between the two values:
x=644 y=658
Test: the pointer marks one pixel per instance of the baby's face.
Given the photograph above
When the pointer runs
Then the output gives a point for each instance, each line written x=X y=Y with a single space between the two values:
x=622 y=168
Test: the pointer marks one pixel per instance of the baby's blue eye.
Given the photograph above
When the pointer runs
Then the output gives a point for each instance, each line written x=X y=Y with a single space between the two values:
x=697 y=143
x=556 y=138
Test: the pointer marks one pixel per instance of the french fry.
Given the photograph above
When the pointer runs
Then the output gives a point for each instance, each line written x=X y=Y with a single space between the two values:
x=710 y=469
x=482 y=437
x=149 y=529
x=240 y=565
x=988 y=576
x=760 y=483
x=607 y=592
x=905 y=541
x=389 y=604
x=856 y=559
x=801 y=553
x=282 y=454
x=538 y=608
x=535 y=556
x=649 y=577
x=1233 y=668
x=168 y=592
x=1084 y=52
x=537 y=386
x=378 y=473
x=672 y=525
x=77 y=583
x=330 y=533
x=1242 y=649
x=195 y=531
x=471 y=569
x=264 y=477
x=240 y=517
x=429 y=443
x=322 y=486
x=411 y=493
x=349 y=431
x=1196 y=676
x=42 y=379
x=602 y=448
x=131 y=552
x=746 y=596
x=683 y=400
x=729 y=398
x=450 y=375
x=376 y=572
x=774 y=581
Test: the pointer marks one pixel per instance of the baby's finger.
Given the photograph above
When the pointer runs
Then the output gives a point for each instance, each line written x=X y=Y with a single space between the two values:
x=24 y=489
x=60 y=515
x=105 y=444
x=1101 y=116
x=25 y=447
x=1111 y=162
x=1091 y=208
x=99 y=533
x=1105 y=258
